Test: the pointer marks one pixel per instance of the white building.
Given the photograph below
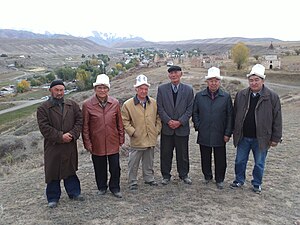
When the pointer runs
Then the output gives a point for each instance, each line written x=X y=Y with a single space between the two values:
x=271 y=62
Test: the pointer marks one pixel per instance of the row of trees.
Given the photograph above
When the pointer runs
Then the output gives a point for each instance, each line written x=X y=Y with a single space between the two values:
x=85 y=74
x=24 y=85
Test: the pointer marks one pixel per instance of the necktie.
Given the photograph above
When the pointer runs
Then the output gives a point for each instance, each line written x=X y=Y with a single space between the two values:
x=175 y=89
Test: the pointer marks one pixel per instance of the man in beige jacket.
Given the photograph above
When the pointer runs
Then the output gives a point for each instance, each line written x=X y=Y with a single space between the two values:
x=142 y=124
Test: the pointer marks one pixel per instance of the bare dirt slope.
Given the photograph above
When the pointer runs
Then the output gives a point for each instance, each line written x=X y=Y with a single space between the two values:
x=22 y=199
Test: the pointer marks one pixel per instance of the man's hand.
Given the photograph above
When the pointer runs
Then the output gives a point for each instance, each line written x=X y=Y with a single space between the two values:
x=226 y=139
x=174 y=124
x=273 y=144
x=67 y=137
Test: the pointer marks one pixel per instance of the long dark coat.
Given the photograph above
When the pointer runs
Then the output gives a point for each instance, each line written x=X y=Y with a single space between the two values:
x=60 y=159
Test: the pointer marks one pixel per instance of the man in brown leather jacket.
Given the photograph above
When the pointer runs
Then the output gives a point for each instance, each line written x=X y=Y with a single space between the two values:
x=103 y=134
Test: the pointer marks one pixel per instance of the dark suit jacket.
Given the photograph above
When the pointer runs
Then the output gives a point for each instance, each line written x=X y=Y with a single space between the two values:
x=182 y=111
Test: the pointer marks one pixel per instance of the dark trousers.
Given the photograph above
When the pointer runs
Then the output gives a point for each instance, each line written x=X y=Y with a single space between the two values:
x=72 y=186
x=100 y=167
x=167 y=145
x=219 y=161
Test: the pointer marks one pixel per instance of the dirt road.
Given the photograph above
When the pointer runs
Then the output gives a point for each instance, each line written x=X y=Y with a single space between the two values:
x=20 y=106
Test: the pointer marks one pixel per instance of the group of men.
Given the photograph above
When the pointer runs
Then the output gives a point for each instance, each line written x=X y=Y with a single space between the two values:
x=254 y=119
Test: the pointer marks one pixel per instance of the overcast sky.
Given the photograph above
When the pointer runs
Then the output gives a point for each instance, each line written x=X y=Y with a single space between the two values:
x=156 y=20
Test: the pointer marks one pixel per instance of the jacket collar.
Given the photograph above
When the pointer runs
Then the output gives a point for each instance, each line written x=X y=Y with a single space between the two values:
x=95 y=100
x=51 y=104
x=264 y=92
x=137 y=101
x=219 y=92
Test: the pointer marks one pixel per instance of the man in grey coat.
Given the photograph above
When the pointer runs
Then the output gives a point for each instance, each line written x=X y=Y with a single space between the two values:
x=213 y=119
x=175 y=105
x=60 y=122
x=258 y=126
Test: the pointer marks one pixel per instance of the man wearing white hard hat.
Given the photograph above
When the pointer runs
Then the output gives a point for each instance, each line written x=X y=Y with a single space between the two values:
x=103 y=134
x=213 y=119
x=258 y=126
x=142 y=124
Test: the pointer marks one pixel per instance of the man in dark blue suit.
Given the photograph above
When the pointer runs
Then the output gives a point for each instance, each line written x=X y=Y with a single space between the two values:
x=175 y=107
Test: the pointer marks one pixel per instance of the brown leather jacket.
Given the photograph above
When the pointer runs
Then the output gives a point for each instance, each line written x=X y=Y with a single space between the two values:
x=103 y=131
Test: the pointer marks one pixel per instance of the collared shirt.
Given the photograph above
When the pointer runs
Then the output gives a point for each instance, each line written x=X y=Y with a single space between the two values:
x=102 y=103
x=257 y=93
x=213 y=94
x=175 y=88
x=138 y=101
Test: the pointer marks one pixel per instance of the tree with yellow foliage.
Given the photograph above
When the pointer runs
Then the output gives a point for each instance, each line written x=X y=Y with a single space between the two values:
x=240 y=54
x=83 y=80
x=23 y=86
x=119 y=67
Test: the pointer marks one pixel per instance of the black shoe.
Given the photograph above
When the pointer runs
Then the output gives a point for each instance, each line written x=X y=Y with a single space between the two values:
x=206 y=181
x=257 y=189
x=187 y=180
x=152 y=183
x=235 y=184
x=220 y=185
x=133 y=187
x=78 y=198
x=52 y=205
x=101 y=192
x=117 y=194
x=165 y=181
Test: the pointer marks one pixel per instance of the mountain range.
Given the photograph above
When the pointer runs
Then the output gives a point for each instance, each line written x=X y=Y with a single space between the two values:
x=26 y=42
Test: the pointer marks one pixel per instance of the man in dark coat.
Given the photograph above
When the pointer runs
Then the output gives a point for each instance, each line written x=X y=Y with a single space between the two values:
x=258 y=126
x=213 y=119
x=60 y=122
x=175 y=106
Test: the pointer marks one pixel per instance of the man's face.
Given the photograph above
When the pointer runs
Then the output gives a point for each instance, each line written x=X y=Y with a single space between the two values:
x=213 y=84
x=175 y=76
x=142 y=91
x=57 y=91
x=101 y=91
x=255 y=83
